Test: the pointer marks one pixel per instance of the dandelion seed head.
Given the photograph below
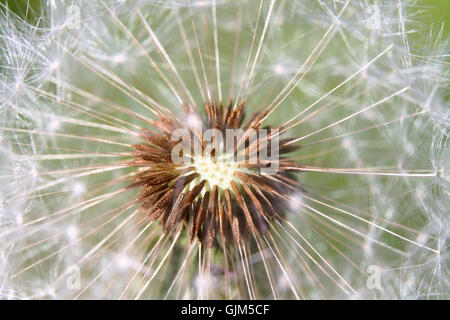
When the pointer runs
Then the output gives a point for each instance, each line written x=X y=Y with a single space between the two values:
x=212 y=180
x=81 y=111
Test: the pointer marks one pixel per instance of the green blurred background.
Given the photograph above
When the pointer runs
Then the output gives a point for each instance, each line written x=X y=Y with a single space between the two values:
x=439 y=13
x=435 y=12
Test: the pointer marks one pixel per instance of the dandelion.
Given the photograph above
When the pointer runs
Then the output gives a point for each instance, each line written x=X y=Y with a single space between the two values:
x=222 y=150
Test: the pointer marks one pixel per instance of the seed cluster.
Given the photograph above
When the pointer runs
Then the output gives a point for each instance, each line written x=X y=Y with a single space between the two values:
x=218 y=173
x=214 y=194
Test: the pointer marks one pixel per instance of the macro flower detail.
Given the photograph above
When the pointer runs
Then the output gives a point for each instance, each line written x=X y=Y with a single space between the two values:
x=214 y=149
x=214 y=189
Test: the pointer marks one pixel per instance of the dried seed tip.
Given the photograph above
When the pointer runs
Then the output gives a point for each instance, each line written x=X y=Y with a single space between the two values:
x=219 y=187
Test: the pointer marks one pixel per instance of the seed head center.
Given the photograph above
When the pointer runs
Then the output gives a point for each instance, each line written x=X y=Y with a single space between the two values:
x=217 y=172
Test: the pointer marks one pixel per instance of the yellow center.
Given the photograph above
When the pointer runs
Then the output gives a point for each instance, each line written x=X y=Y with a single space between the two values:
x=219 y=172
